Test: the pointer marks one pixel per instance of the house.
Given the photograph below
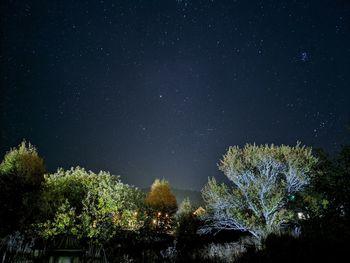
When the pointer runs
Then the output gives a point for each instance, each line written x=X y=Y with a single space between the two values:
x=200 y=211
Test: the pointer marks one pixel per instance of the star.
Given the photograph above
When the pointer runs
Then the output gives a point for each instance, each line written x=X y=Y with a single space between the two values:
x=304 y=56
x=173 y=79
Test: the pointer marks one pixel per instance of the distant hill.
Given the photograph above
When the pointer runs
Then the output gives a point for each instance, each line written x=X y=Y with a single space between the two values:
x=194 y=196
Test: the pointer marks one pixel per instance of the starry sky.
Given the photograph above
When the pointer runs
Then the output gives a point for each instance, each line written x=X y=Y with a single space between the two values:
x=160 y=88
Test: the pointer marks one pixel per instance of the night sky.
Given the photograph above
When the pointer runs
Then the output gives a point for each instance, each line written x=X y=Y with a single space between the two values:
x=151 y=89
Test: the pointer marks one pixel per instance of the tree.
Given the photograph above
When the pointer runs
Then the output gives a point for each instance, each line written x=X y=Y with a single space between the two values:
x=21 y=175
x=185 y=208
x=342 y=180
x=161 y=198
x=314 y=202
x=83 y=204
x=328 y=195
x=265 y=179
x=162 y=203
x=187 y=223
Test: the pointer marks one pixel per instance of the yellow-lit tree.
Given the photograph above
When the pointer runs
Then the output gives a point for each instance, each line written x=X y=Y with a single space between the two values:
x=162 y=203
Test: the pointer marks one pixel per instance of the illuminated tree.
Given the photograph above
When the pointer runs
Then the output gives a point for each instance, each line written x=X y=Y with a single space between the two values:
x=265 y=179
x=24 y=165
x=21 y=175
x=162 y=203
x=161 y=198
x=81 y=203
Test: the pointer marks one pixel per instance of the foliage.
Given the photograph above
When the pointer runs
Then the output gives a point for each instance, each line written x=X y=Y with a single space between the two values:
x=341 y=183
x=265 y=179
x=21 y=175
x=314 y=202
x=161 y=198
x=84 y=204
x=24 y=163
x=187 y=223
x=328 y=194
x=185 y=208
x=162 y=205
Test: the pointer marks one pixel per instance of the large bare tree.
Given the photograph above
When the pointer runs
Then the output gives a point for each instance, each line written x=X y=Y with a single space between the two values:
x=265 y=178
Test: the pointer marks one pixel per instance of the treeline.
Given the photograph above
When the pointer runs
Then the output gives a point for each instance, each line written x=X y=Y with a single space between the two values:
x=283 y=204
x=74 y=202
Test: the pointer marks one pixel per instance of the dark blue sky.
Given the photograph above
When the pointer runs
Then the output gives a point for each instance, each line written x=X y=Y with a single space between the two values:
x=149 y=89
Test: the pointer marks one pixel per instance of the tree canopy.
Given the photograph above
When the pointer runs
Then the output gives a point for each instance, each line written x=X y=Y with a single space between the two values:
x=21 y=174
x=24 y=165
x=185 y=208
x=161 y=198
x=84 y=204
x=265 y=179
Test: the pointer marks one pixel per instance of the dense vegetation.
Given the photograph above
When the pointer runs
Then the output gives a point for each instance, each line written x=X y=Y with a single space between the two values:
x=283 y=204
x=88 y=205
